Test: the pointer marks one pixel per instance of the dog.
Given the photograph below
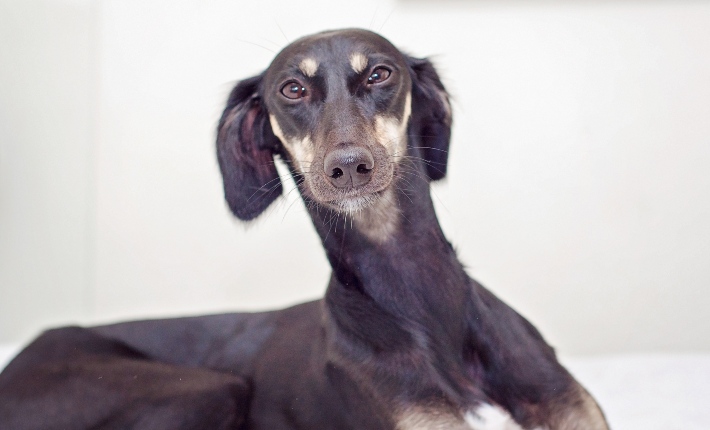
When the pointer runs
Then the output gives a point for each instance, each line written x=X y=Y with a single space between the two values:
x=404 y=339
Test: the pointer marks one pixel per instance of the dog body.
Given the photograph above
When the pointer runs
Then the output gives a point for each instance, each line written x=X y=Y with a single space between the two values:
x=403 y=339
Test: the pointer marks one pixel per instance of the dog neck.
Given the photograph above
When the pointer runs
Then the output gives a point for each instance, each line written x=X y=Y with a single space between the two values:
x=396 y=280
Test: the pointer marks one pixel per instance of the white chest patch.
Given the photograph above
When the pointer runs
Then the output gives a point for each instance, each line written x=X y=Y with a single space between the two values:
x=490 y=417
x=485 y=417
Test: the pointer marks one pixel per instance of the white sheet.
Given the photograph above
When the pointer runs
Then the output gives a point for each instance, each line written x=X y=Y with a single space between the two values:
x=637 y=392
x=7 y=352
x=649 y=391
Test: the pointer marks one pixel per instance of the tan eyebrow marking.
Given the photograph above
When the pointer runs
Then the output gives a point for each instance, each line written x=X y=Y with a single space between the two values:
x=358 y=61
x=309 y=67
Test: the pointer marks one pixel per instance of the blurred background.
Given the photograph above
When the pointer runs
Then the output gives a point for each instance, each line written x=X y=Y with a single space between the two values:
x=578 y=191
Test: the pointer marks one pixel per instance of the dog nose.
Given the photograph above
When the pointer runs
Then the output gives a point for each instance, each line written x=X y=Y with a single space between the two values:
x=348 y=165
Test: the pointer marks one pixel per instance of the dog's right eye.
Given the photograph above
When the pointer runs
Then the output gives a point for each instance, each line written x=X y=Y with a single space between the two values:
x=380 y=74
x=293 y=90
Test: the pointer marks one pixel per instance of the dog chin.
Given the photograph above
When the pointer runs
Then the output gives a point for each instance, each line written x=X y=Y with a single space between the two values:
x=355 y=204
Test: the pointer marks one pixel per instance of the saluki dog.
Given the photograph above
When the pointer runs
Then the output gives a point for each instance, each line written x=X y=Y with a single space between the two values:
x=403 y=338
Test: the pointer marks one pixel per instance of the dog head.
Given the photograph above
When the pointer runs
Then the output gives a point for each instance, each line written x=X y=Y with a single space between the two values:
x=340 y=107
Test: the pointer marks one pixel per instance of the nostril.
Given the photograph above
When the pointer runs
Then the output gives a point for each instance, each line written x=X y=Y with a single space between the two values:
x=362 y=169
x=348 y=166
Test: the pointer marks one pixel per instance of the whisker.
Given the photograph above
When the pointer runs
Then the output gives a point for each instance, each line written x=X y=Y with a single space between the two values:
x=374 y=15
x=288 y=208
x=281 y=30
x=386 y=19
x=256 y=44
x=271 y=42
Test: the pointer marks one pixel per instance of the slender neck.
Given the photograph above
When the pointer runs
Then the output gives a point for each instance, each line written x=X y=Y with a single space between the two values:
x=398 y=280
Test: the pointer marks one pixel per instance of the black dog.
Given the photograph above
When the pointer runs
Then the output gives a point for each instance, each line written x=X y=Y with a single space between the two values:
x=403 y=339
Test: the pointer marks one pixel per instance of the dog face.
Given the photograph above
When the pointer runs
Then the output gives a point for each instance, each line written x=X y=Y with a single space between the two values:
x=340 y=106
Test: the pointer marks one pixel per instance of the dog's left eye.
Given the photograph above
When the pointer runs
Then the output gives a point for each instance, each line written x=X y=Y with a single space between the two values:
x=293 y=90
x=380 y=74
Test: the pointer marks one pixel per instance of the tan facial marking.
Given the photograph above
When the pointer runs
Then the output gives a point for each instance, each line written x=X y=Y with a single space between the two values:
x=392 y=133
x=379 y=220
x=358 y=61
x=309 y=67
x=301 y=150
x=276 y=128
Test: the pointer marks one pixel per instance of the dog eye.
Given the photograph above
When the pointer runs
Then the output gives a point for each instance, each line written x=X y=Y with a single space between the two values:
x=293 y=90
x=380 y=74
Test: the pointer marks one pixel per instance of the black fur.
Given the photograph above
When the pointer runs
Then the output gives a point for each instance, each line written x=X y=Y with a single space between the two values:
x=245 y=144
x=431 y=116
x=402 y=327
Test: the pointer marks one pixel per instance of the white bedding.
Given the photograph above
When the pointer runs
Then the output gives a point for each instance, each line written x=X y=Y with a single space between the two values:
x=6 y=354
x=649 y=391
x=637 y=392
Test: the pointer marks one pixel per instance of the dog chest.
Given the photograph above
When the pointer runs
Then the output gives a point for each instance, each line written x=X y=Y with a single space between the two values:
x=483 y=417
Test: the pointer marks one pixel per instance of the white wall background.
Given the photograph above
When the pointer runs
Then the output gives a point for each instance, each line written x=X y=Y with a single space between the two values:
x=578 y=191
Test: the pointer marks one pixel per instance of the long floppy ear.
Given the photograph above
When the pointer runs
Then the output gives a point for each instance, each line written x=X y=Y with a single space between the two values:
x=245 y=148
x=431 y=116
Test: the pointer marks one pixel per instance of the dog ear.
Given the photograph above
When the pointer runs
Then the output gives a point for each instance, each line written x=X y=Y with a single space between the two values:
x=431 y=115
x=245 y=148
